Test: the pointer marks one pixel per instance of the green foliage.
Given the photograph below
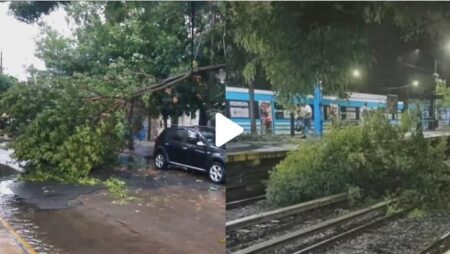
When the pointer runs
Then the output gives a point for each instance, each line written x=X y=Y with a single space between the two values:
x=6 y=82
x=444 y=91
x=22 y=103
x=30 y=12
x=416 y=213
x=61 y=134
x=116 y=187
x=299 y=44
x=354 y=195
x=408 y=121
x=150 y=40
x=323 y=45
x=375 y=158
x=79 y=113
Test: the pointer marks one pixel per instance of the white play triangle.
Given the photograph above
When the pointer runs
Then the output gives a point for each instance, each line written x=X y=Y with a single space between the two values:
x=226 y=129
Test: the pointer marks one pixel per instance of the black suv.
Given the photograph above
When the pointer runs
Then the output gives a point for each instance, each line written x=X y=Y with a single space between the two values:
x=192 y=148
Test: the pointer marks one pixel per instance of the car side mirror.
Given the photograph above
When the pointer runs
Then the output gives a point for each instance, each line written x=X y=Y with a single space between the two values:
x=200 y=143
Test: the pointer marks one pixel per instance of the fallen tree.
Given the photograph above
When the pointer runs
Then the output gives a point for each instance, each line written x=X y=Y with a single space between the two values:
x=67 y=126
x=376 y=159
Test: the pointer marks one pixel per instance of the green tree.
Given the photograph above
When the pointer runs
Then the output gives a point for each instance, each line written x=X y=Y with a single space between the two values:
x=121 y=62
x=300 y=44
x=150 y=38
x=30 y=12
x=6 y=82
x=67 y=126
x=62 y=130
x=443 y=90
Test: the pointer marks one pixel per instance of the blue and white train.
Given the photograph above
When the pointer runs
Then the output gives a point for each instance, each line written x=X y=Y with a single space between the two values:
x=237 y=108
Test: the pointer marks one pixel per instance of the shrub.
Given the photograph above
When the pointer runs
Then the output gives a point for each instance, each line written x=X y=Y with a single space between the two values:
x=375 y=158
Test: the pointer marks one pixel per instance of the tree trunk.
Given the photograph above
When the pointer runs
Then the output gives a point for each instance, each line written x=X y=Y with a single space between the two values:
x=292 y=124
x=149 y=128
x=130 y=135
x=251 y=92
x=173 y=120
x=203 y=114
x=203 y=117
x=165 y=121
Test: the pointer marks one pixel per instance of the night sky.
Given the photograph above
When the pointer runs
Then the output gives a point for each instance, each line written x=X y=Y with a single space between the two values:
x=398 y=62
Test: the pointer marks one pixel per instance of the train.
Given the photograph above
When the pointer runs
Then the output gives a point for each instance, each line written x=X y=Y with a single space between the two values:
x=266 y=106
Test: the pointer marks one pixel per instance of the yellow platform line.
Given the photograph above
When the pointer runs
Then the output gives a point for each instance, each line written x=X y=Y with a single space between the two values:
x=20 y=239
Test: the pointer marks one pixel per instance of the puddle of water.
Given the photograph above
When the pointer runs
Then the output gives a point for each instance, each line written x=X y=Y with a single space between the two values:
x=53 y=230
x=14 y=212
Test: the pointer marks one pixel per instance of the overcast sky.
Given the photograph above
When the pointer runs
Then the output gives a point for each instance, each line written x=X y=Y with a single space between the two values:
x=17 y=40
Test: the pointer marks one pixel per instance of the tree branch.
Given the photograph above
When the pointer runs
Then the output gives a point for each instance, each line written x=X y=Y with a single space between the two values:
x=175 y=79
x=107 y=110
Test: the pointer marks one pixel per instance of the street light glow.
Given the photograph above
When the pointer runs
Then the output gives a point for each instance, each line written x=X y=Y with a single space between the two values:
x=356 y=73
x=415 y=83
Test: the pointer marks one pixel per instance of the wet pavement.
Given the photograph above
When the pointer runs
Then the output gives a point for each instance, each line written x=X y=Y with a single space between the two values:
x=9 y=243
x=173 y=211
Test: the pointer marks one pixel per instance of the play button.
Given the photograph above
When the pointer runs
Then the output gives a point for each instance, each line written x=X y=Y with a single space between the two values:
x=226 y=129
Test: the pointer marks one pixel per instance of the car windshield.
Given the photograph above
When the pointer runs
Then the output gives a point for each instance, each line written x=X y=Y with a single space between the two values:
x=209 y=135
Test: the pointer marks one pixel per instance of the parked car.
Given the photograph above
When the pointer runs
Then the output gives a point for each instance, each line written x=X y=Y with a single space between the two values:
x=192 y=148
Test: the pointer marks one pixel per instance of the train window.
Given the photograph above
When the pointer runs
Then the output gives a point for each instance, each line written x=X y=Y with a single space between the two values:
x=280 y=113
x=240 y=109
x=349 y=113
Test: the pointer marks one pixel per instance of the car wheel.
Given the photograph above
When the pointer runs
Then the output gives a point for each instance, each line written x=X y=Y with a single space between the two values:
x=216 y=172
x=160 y=160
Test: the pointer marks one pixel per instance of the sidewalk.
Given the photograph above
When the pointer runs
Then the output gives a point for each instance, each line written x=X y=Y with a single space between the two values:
x=11 y=242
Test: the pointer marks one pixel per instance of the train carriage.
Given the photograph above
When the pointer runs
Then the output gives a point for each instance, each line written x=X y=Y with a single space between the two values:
x=267 y=109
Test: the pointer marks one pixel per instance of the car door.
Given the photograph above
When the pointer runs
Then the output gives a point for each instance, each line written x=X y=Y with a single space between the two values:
x=177 y=149
x=197 y=152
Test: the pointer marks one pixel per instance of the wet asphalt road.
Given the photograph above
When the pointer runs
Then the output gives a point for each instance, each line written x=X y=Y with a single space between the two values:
x=174 y=211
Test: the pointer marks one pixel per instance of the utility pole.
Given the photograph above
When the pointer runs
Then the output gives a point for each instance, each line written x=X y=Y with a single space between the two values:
x=433 y=95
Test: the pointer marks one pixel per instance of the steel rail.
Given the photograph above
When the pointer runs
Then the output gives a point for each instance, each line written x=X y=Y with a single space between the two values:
x=244 y=202
x=272 y=244
x=347 y=233
x=283 y=212
x=432 y=247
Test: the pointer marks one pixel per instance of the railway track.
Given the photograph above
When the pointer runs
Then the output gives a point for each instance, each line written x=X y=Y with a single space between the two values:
x=440 y=246
x=244 y=202
x=300 y=240
x=274 y=221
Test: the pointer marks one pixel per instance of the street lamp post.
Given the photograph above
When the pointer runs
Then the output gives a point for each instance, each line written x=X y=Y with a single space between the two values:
x=435 y=77
x=433 y=95
x=415 y=83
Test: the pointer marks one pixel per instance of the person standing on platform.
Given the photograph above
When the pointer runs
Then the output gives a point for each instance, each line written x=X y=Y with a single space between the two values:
x=306 y=115
x=364 y=113
x=298 y=119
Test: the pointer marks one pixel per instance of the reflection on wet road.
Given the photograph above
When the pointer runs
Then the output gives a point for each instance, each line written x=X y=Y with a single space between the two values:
x=15 y=212
x=174 y=212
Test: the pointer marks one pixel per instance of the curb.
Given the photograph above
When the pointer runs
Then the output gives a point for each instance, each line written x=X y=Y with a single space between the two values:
x=23 y=243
